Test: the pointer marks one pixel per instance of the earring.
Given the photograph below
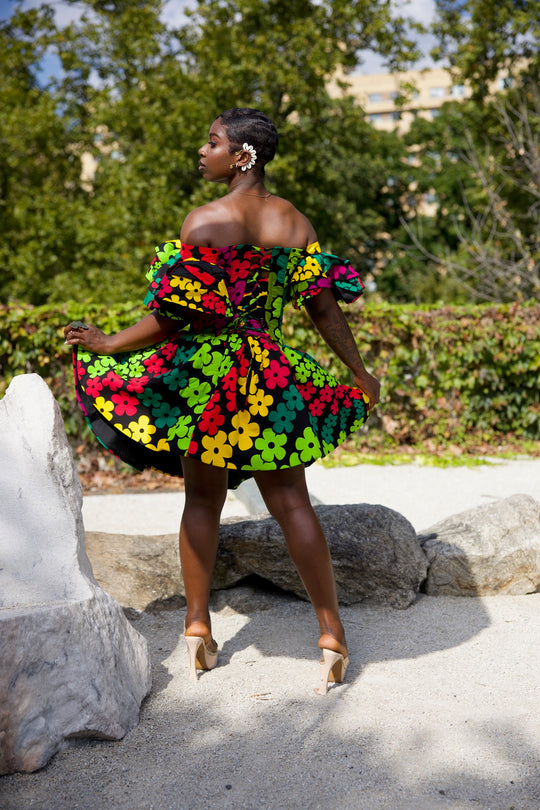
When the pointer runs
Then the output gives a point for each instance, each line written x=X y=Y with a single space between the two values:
x=232 y=166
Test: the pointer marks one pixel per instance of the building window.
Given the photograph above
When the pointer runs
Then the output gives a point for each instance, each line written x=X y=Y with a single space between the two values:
x=437 y=92
x=458 y=90
x=374 y=98
x=434 y=112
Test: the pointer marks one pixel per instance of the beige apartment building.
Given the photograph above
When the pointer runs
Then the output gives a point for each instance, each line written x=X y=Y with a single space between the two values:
x=393 y=100
x=381 y=95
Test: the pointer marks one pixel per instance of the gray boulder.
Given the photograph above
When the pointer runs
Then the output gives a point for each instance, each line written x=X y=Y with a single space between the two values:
x=70 y=663
x=375 y=552
x=493 y=549
x=139 y=571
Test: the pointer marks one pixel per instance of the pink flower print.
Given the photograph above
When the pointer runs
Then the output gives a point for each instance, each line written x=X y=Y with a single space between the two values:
x=276 y=375
x=125 y=404
x=93 y=386
x=112 y=380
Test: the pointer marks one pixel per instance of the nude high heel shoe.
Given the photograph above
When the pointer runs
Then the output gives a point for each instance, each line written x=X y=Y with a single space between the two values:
x=200 y=656
x=333 y=668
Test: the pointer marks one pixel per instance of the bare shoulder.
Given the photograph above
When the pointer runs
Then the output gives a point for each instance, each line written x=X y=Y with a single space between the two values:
x=300 y=228
x=199 y=224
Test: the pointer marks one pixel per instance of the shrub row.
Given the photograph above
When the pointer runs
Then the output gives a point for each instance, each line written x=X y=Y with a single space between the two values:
x=460 y=375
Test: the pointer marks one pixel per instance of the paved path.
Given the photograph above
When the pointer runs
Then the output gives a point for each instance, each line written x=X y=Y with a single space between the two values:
x=440 y=709
x=424 y=495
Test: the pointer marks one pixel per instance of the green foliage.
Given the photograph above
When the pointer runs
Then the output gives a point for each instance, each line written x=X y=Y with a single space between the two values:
x=458 y=376
x=481 y=40
x=158 y=91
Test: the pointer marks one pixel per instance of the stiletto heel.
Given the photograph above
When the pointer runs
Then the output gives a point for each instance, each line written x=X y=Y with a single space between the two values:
x=333 y=668
x=200 y=657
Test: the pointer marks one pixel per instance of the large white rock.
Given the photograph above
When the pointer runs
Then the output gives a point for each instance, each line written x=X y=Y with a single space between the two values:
x=70 y=663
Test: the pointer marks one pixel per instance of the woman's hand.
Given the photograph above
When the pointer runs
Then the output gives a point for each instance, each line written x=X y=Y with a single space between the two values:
x=369 y=385
x=89 y=337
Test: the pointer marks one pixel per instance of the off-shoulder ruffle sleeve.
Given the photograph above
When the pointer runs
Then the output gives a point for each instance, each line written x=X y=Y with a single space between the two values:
x=309 y=271
x=186 y=283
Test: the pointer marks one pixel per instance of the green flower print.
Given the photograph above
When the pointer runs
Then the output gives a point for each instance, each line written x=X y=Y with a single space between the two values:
x=308 y=445
x=271 y=445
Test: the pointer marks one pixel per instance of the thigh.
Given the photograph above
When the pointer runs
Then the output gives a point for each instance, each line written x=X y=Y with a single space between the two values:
x=283 y=490
x=204 y=483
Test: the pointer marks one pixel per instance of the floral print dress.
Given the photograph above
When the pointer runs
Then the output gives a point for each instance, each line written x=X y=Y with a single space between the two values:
x=225 y=388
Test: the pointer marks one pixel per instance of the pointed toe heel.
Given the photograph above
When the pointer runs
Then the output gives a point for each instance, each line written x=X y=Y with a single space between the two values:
x=200 y=656
x=333 y=668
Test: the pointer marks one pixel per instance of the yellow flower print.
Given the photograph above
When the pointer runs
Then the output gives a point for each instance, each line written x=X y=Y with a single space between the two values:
x=259 y=402
x=192 y=289
x=310 y=268
x=123 y=429
x=217 y=449
x=163 y=444
x=260 y=354
x=253 y=383
x=244 y=432
x=105 y=407
x=142 y=430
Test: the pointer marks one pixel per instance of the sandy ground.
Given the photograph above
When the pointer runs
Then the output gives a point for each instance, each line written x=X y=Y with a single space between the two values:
x=440 y=708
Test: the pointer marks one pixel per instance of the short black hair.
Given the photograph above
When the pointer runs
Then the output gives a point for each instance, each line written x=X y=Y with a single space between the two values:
x=245 y=125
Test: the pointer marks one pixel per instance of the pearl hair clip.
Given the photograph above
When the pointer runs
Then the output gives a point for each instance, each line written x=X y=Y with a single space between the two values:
x=247 y=148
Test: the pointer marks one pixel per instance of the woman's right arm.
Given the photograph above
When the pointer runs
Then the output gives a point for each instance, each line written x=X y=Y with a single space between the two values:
x=151 y=329
x=332 y=325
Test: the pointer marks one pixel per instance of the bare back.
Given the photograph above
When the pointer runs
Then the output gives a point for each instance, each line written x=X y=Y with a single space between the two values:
x=248 y=219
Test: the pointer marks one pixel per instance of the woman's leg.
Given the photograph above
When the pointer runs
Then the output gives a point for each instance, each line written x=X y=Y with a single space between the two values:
x=206 y=490
x=286 y=496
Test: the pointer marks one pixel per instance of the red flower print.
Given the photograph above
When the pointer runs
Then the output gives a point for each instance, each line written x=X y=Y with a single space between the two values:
x=239 y=269
x=138 y=384
x=211 y=420
x=326 y=393
x=125 y=404
x=307 y=390
x=112 y=380
x=169 y=350
x=155 y=364
x=316 y=407
x=230 y=379
x=276 y=375
x=80 y=372
x=93 y=386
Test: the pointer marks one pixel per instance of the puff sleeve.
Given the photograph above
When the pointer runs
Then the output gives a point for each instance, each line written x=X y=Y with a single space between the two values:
x=309 y=271
x=184 y=286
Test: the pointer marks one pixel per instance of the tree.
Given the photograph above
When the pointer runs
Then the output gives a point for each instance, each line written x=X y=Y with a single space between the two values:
x=485 y=172
x=139 y=97
x=484 y=42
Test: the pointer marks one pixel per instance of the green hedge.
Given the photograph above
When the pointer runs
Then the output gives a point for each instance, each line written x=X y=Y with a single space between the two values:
x=464 y=376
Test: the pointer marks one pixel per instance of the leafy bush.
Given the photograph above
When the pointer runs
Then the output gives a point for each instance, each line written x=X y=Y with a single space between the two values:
x=462 y=376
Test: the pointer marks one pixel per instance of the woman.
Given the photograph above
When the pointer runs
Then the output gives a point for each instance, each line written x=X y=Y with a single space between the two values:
x=218 y=396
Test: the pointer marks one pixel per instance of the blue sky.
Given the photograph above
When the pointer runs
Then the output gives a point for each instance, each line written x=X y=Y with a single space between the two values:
x=421 y=10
